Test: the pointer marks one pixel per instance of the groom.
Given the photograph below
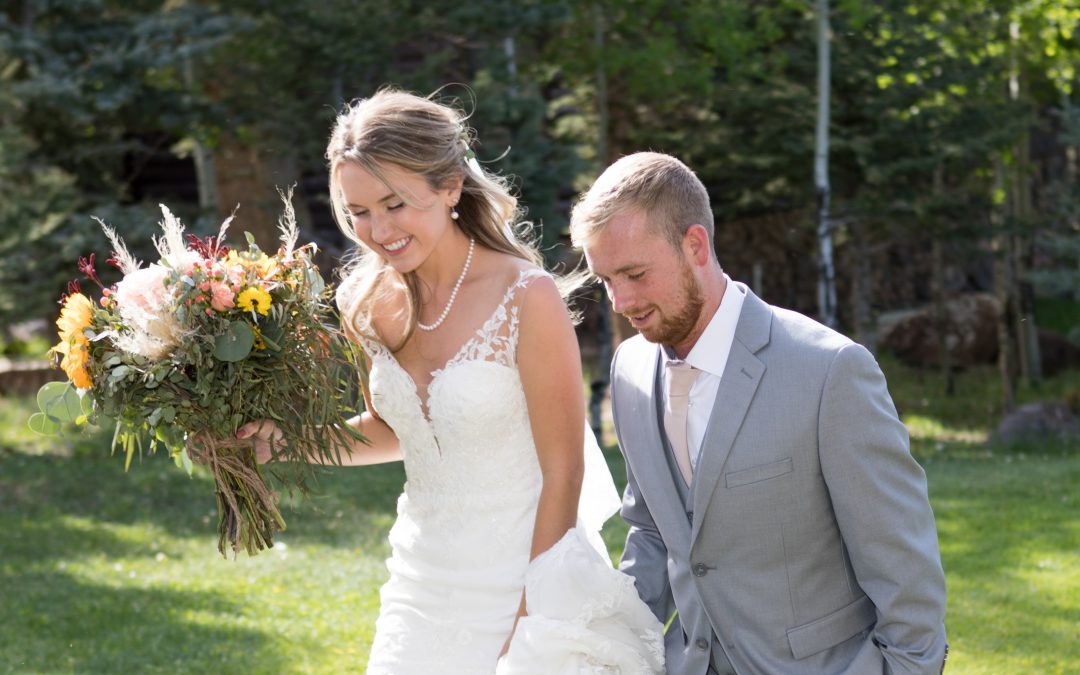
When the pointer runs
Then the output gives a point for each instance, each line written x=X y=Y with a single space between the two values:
x=775 y=511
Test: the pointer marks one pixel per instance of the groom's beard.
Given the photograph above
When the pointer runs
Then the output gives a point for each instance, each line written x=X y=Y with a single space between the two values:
x=674 y=329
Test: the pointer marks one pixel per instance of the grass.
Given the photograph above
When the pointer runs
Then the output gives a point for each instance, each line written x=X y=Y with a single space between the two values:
x=107 y=572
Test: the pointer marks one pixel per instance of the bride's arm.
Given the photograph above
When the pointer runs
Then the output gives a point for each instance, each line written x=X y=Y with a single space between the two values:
x=383 y=441
x=550 y=367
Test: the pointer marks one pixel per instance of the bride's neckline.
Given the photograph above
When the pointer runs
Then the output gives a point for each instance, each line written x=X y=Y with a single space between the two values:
x=480 y=332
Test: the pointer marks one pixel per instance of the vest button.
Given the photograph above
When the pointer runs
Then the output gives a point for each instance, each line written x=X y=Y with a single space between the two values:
x=700 y=570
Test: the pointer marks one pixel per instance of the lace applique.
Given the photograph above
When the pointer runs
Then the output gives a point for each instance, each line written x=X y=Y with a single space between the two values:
x=497 y=339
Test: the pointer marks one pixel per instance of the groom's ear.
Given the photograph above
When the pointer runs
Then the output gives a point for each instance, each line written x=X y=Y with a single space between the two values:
x=696 y=245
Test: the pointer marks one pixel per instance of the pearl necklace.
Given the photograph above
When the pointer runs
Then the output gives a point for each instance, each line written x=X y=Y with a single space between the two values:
x=453 y=294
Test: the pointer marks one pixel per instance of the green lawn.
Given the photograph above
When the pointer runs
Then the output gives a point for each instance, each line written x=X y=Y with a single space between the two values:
x=107 y=572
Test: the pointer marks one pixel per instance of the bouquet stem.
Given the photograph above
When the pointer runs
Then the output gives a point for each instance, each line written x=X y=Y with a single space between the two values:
x=248 y=515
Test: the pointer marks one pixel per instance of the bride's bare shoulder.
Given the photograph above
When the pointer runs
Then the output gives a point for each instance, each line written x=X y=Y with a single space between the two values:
x=500 y=270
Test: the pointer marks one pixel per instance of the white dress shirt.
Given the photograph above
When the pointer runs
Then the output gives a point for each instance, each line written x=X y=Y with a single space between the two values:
x=710 y=356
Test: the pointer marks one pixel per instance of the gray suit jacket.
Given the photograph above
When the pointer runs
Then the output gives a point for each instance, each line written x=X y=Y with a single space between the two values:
x=809 y=545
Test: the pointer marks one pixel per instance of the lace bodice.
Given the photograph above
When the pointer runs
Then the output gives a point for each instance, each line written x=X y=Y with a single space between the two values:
x=468 y=436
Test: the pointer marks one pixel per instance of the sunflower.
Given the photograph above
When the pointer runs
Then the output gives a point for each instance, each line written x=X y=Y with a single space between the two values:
x=254 y=298
x=75 y=317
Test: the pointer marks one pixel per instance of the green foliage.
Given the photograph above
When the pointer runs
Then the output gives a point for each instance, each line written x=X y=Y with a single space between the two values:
x=92 y=75
x=918 y=88
x=1059 y=314
x=1059 y=239
x=81 y=85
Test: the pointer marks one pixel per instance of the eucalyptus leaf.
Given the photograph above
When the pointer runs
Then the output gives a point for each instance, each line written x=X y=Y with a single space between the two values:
x=43 y=424
x=60 y=401
x=86 y=401
x=315 y=280
x=184 y=461
x=235 y=344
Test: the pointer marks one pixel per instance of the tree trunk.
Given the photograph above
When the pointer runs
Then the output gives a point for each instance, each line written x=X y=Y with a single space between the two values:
x=248 y=181
x=1022 y=217
x=937 y=282
x=204 y=161
x=827 y=273
x=510 y=51
x=608 y=333
x=941 y=317
x=1002 y=249
x=1072 y=171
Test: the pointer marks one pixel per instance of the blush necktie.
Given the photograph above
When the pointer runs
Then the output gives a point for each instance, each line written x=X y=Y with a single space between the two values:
x=680 y=378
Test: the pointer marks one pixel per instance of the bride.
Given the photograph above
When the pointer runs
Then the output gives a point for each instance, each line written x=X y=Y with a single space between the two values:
x=475 y=383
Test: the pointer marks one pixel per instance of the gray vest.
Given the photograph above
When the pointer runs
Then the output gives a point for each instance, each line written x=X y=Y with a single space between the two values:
x=718 y=659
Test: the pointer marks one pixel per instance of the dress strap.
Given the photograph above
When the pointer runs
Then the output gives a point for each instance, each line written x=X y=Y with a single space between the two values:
x=496 y=340
x=524 y=280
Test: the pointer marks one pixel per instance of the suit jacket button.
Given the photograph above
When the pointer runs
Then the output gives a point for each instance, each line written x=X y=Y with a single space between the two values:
x=700 y=570
x=702 y=644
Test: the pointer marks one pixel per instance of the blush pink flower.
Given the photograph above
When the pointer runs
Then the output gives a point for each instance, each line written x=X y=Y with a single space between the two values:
x=221 y=296
x=144 y=302
x=142 y=290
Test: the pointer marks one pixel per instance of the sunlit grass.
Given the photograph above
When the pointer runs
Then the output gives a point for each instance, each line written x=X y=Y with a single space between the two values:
x=1010 y=545
x=925 y=428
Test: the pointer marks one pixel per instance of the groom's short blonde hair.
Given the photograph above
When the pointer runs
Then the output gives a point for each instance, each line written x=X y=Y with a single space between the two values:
x=659 y=185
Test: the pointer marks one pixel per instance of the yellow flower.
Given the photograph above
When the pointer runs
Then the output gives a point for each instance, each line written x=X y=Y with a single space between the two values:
x=75 y=317
x=254 y=297
x=263 y=265
x=260 y=343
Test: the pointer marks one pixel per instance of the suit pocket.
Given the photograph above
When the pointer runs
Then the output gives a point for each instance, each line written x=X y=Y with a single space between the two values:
x=758 y=473
x=832 y=629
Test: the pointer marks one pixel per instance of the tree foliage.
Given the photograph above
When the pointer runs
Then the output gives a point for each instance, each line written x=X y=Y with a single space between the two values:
x=922 y=113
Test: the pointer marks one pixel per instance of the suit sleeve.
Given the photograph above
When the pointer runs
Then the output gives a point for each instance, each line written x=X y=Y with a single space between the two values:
x=645 y=556
x=879 y=495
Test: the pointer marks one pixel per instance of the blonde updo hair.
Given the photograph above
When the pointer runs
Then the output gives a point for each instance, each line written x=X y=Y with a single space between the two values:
x=429 y=139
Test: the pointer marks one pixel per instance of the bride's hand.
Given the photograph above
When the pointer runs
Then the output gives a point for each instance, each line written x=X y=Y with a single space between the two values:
x=266 y=437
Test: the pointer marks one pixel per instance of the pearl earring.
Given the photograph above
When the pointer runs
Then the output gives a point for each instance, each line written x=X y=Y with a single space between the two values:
x=454 y=215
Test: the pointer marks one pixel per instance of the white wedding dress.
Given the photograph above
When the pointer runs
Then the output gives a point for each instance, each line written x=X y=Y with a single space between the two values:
x=461 y=542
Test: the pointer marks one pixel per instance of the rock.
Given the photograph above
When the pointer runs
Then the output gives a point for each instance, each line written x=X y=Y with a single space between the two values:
x=1038 y=421
x=970 y=332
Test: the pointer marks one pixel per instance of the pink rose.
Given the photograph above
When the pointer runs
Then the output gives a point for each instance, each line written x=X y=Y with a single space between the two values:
x=221 y=296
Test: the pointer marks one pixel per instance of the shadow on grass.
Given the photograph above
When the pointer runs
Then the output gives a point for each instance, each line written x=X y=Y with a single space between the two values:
x=54 y=622
x=346 y=507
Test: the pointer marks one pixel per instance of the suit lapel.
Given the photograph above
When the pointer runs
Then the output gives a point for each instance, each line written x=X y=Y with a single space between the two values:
x=739 y=383
x=650 y=463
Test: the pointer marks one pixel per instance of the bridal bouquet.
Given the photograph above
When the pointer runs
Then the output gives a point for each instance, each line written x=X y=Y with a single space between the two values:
x=183 y=351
